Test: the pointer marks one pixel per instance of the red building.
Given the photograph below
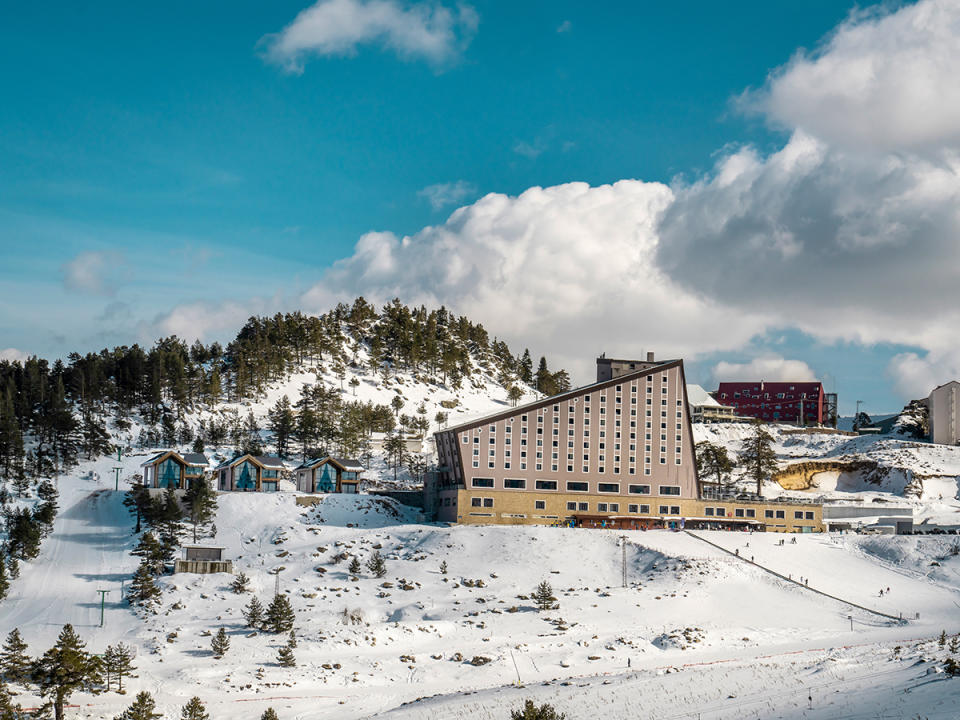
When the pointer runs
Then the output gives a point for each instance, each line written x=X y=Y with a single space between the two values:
x=776 y=401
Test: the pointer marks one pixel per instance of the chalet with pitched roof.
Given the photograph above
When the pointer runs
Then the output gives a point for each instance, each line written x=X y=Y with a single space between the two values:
x=329 y=475
x=249 y=473
x=172 y=469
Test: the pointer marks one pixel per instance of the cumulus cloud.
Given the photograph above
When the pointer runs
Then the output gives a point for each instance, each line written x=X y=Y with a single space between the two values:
x=13 y=355
x=430 y=31
x=772 y=368
x=883 y=80
x=567 y=269
x=442 y=195
x=205 y=321
x=915 y=375
x=94 y=272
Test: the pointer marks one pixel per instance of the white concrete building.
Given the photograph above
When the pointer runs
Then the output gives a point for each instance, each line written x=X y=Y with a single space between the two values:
x=943 y=405
x=703 y=408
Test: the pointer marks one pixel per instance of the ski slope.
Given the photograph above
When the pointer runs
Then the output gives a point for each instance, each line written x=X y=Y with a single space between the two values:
x=694 y=626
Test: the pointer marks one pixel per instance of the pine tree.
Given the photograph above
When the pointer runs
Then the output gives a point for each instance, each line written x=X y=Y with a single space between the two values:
x=292 y=638
x=24 y=534
x=443 y=567
x=118 y=660
x=282 y=421
x=169 y=522
x=757 y=455
x=280 y=616
x=240 y=584
x=954 y=644
x=377 y=565
x=4 y=580
x=354 y=567
x=194 y=710
x=64 y=669
x=713 y=462
x=137 y=501
x=543 y=596
x=143 y=589
x=531 y=711
x=201 y=504
x=286 y=657
x=942 y=640
x=14 y=661
x=220 y=644
x=151 y=552
x=270 y=714
x=253 y=613
x=143 y=708
x=9 y=711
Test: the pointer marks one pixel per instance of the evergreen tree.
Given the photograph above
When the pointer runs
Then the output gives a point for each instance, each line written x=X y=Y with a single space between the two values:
x=543 y=596
x=169 y=523
x=118 y=661
x=240 y=584
x=713 y=462
x=280 y=616
x=354 y=567
x=9 y=711
x=4 y=580
x=286 y=657
x=531 y=711
x=525 y=367
x=443 y=567
x=514 y=394
x=220 y=644
x=143 y=590
x=21 y=483
x=270 y=714
x=201 y=502
x=151 y=552
x=292 y=638
x=282 y=422
x=194 y=710
x=14 y=661
x=757 y=455
x=253 y=613
x=377 y=565
x=143 y=708
x=544 y=379
x=394 y=450
x=64 y=669
x=137 y=501
x=24 y=534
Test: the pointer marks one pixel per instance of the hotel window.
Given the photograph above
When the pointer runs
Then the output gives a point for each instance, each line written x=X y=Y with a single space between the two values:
x=583 y=507
x=476 y=451
x=539 y=466
x=614 y=507
x=708 y=511
x=781 y=515
x=634 y=509
x=465 y=439
x=488 y=502
x=476 y=441
x=493 y=428
x=664 y=510
x=808 y=515
x=797 y=515
x=608 y=487
x=539 y=505
x=674 y=509
x=669 y=490
x=751 y=512
x=738 y=512
x=601 y=507
x=722 y=512
x=476 y=502
x=578 y=487
x=571 y=506
x=514 y=483
x=509 y=428
x=768 y=513
x=546 y=484
x=586 y=468
x=482 y=482
x=476 y=462
x=639 y=489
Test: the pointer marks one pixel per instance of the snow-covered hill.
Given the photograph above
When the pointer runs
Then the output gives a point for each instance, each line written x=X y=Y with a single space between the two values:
x=695 y=624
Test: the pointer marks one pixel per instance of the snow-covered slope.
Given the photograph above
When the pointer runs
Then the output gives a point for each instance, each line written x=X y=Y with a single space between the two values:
x=727 y=627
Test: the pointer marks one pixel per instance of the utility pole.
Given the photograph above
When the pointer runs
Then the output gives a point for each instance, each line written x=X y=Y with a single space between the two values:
x=103 y=596
x=856 y=418
x=116 y=477
x=801 y=412
x=623 y=559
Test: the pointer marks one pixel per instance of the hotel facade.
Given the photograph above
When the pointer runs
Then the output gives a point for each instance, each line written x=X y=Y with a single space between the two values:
x=618 y=453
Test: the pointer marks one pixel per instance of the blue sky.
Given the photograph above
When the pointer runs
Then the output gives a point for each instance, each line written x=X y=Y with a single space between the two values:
x=155 y=158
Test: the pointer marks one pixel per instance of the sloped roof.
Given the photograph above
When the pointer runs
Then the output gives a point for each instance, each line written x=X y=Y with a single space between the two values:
x=349 y=465
x=310 y=464
x=269 y=461
x=264 y=460
x=698 y=397
x=156 y=457
x=195 y=459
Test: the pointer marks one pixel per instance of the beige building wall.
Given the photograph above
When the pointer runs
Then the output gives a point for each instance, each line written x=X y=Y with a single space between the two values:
x=944 y=405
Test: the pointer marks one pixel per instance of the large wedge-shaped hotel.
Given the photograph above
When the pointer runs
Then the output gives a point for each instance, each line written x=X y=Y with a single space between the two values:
x=618 y=453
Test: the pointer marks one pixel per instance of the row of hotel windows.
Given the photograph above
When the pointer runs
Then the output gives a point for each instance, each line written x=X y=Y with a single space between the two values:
x=585 y=507
x=521 y=484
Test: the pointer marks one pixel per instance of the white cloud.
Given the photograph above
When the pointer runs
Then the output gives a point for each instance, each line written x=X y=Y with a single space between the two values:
x=565 y=27
x=772 y=368
x=13 y=355
x=94 y=272
x=204 y=320
x=568 y=270
x=882 y=80
x=914 y=376
x=529 y=150
x=337 y=27
x=443 y=194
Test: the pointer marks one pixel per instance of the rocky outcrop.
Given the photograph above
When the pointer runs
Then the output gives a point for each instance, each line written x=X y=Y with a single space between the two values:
x=802 y=476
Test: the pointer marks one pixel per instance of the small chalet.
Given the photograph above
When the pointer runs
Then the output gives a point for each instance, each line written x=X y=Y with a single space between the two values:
x=202 y=559
x=171 y=469
x=329 y=475
x=249 y=473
